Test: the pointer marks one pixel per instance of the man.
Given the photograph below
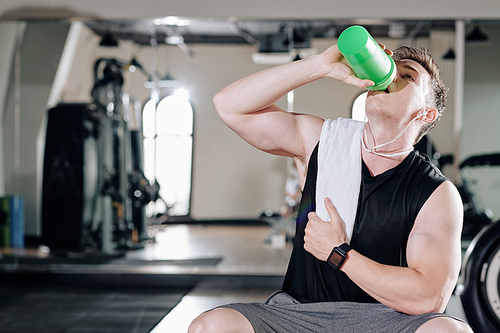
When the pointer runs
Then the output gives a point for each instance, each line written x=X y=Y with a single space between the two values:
x=381 y=251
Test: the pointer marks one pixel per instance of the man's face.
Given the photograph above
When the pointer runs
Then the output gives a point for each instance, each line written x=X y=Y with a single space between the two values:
x=405 y=96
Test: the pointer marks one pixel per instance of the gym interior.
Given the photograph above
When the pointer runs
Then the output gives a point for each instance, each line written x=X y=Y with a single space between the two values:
x=127 y=205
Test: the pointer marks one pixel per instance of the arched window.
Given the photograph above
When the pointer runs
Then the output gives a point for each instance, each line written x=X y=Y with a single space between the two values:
x=168 y=152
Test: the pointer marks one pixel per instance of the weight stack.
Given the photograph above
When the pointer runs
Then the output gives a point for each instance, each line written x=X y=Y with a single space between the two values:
x=69 y=176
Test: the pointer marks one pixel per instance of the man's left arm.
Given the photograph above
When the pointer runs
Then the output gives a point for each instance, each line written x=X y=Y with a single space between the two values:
x=433 y=255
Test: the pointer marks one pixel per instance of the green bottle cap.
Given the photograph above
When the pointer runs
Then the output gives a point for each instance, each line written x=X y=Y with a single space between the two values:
x=366 y=57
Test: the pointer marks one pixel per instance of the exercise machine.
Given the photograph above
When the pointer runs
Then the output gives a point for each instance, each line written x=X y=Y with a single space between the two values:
x=479 y=282
x=94 y=190
x=476 y=298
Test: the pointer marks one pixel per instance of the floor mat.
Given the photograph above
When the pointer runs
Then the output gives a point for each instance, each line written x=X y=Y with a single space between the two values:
x=109 y=261
x=45 y=309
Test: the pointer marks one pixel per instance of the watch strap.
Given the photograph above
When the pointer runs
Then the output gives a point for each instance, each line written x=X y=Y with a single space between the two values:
x=345 y=248
x=338 y=255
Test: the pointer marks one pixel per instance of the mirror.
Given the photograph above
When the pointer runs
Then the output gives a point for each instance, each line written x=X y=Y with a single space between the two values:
x=47 y=62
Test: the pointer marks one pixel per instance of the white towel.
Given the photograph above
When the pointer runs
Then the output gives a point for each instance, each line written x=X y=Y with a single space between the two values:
x=339 y=169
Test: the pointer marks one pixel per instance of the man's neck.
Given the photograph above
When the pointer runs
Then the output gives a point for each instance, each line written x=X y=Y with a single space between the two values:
x=378 y=164
x=396 y=151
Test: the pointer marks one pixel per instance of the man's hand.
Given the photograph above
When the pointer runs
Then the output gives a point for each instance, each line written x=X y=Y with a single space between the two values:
x=321 y=236
x=340 y=69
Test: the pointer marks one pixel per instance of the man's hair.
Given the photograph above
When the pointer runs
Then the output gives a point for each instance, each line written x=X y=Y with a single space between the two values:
x=438 y=90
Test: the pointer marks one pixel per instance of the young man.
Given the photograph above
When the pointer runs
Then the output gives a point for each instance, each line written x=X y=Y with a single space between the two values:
x=377 y=247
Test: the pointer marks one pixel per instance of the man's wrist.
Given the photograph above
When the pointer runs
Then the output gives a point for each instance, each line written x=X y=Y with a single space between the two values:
x=321 y=64
x=338 y=256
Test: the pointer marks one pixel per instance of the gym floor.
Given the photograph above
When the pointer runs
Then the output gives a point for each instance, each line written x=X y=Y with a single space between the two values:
x=188 y=269
x=245 y=253
x=240 y=267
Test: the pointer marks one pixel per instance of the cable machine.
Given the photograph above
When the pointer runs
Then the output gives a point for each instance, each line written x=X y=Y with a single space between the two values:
x=94 y=188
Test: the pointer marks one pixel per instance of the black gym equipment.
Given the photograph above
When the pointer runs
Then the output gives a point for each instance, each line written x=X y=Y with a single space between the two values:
x=69 y=176
x=481 y=273
x=475 y=216
x=480 y=278
x=94 y=189
x=479 y=282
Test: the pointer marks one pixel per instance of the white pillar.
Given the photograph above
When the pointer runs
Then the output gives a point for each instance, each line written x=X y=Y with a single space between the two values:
x=459 y=94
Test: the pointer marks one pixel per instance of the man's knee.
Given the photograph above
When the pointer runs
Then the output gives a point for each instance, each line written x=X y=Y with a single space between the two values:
x=445 y=325
x=199 y=324
x=222 y=320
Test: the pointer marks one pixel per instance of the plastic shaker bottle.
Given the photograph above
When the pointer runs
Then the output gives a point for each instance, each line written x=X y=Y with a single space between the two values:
x=366 y=57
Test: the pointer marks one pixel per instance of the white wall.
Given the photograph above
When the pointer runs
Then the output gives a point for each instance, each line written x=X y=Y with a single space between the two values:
x=481 y=134
x=231 y=179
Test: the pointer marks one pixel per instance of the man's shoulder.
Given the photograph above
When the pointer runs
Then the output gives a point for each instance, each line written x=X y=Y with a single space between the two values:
x=344 y=122
x=341 y=126
x=425 y=164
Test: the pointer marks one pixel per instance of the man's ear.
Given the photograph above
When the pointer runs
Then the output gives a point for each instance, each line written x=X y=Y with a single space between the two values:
x=430 y=115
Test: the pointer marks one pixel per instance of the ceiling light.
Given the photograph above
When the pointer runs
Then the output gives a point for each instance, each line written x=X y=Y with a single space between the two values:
x=476 y=36
x=449 y=55
x=172 y=20
x=397 y=30
x=174 y=40
x=108 y=40
x=166 y=82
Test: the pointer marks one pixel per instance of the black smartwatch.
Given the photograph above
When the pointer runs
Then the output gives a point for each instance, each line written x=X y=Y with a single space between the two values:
x=338 y=255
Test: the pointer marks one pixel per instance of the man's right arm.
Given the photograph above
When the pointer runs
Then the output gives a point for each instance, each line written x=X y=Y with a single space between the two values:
x=247 y=106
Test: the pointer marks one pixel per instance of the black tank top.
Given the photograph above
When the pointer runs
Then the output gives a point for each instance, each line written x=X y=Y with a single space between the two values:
x=387 y=208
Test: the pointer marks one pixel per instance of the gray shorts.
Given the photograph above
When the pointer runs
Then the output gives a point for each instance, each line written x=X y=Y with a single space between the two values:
x=281 y=313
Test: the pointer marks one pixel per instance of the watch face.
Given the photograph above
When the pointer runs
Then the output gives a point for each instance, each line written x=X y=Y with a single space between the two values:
x=336 y=258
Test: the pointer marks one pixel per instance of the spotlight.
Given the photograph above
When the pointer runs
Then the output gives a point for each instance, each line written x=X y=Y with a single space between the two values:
x=450 y=55
x=108 y=40
x=476 y=36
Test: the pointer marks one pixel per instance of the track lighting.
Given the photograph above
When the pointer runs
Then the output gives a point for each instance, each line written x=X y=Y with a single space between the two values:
x=108 y=40
x=449 y=55
x=476 y=36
